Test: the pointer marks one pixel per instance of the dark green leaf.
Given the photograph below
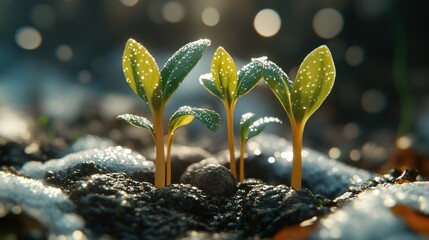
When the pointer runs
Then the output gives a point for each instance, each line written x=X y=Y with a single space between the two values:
x=208 y=83
x=279 y=83
x=259 y=125
x=180 y=64
x=249 y=76
x=137 y=121
x=246 y=120
x=313 y=82
x=184 y=115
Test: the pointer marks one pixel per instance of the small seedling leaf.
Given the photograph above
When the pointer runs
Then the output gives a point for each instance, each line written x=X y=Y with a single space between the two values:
x=259 y=125
x=141 y=73
x=185 y=115
x=180 y=64
x=207 y=81
x=279 y=83
x=249 y=76
x=246 y=120
x=224 y=73
x=313 y=82
x=137 y=121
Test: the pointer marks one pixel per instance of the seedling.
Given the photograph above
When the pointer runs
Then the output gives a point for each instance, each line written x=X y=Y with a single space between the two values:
x=184 y=116
x=300 y=99
x=155 y=88
x=249 y=128
x=225 y=83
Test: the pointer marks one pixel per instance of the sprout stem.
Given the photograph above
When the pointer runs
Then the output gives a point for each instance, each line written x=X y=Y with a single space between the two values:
x=243 y=144
x=169 y=142
x=230 y=123
x=297 y=133
x=159 y=148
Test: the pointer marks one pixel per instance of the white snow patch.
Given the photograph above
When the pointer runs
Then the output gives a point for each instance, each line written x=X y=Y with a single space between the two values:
x=48 y=204
x=370 y=217
x=113 y=159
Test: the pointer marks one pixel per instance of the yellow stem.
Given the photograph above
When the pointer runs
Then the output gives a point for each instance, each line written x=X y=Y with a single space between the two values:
x=243 y=144
x=230 y=124
x=159 y=148
x=297 y=133
x=169 y=142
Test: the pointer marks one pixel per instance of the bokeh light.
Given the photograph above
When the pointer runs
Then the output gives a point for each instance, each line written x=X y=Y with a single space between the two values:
x=43 y=16
x=354 y=55
x=173 y=12
x=355 y=155
x=210 y=16
x=328 y=23
x=334 y=153
x=129 y=3
x=373 y=101
x=28 y=38
x=267 y=22
x=351 y=130
x=84 y=76
x=64 y=53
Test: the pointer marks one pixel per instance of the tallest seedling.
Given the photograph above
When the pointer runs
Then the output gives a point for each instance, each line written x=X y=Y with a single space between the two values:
x=155 y=88
x=301 y=98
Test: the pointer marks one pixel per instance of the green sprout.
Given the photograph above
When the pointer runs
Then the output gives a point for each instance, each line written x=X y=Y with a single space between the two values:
x=301 y=98
x=156 y=87
x=184 y=116
x=249 y=128
x=225 y=83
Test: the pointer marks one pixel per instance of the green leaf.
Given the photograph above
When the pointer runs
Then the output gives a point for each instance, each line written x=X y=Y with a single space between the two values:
x=180 y=64
x=313 y=82
x=141 y=73
x=185 y=115
x=246 y=120
x=256 y=127
x=249 y=75
x=207 y=81
x=224 y=74
x=279 y=83
x=137 y=121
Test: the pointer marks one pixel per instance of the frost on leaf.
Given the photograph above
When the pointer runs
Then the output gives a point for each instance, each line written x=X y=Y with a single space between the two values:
x=137 y=121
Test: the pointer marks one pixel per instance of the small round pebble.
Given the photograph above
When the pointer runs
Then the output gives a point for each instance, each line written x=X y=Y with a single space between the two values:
x=213 y=179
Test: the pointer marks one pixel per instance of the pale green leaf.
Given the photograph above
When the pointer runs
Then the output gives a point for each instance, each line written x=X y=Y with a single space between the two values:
x=141 y=73
x=180 y=64
x=208 y=83
x=279 y=83
x=313 y=83
x=185 y=115
x=137 y=121
x=224 y=73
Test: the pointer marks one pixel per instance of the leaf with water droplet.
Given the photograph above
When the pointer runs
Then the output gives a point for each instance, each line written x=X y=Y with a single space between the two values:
x=207 y=81
x=142 y=74
x=246 y=120
x=224 y=73
x=137 y=121
x=185 y=115
x=313 y=82
x=279 y=83
x=180 y=64
x=249 y=127
x=249 y=76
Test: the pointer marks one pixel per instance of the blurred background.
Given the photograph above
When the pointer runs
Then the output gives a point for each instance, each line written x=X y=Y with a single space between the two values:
x=60 y=68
